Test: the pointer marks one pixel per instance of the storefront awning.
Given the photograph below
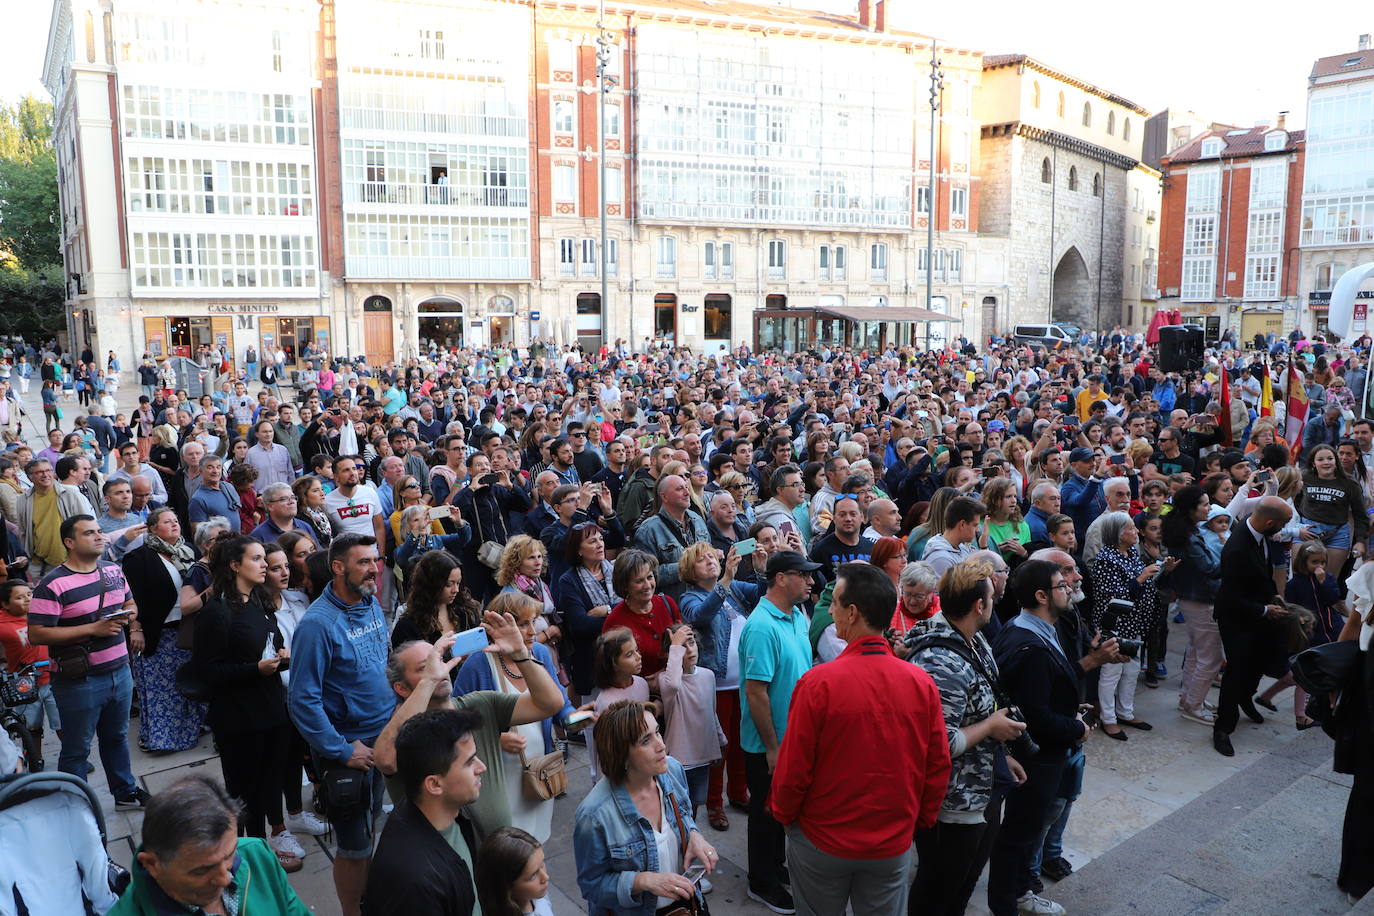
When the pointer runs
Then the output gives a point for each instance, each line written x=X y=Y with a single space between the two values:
x=882 y=313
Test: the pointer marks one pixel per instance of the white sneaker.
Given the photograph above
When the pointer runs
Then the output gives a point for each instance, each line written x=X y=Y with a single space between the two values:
x=705 y=885
x=1034 y=905
x=307 y=823
x=287 y=844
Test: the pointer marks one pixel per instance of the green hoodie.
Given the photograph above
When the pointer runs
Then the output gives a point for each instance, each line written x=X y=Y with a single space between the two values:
x=262 y=888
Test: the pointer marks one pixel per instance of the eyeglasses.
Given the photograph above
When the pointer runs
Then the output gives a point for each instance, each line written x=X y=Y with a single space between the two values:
x=410 y=486
x=734 y=486
x=1064 y=585
x=279 y=499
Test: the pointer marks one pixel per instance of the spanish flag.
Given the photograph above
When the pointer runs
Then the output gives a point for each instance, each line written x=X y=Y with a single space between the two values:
x=1266 y=404
x=1297 y=409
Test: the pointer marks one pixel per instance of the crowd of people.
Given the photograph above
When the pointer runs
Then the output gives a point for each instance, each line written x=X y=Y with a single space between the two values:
x=730 y=577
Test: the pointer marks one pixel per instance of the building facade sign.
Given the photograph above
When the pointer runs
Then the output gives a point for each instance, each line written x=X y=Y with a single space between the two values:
x=244 y=308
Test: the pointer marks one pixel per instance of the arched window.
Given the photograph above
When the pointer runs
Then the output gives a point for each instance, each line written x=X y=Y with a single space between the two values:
x=1073 y=178
x=1035 y=95
x=1126 y=129
x=1087 y=115
x=1059 y=109
x=1045 y=175
x=1097 y=184
x=1111 y=122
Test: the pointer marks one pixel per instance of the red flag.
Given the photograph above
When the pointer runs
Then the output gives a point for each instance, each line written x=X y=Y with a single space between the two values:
x=1226 y=437
x=1296 y=402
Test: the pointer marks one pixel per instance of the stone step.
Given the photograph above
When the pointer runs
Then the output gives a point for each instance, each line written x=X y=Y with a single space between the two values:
x=1265 y=841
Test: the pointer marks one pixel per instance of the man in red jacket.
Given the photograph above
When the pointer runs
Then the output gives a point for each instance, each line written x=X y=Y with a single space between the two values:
x=850 y=819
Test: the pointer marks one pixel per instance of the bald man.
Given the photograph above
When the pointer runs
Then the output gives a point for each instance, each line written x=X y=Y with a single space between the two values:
x=1247 y=602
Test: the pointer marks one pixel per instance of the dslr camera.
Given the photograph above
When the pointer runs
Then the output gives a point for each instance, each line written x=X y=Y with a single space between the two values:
x=1023 y=746
x=1130 y=648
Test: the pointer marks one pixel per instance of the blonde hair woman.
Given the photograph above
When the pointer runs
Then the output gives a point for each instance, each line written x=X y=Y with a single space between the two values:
x=1017 y=449
x=521 y=572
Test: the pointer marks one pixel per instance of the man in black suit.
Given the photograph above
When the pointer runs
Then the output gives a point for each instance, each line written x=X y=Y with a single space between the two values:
x=1246 y=604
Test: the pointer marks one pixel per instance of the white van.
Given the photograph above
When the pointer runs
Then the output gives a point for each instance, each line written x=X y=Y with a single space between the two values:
x=1050 y=336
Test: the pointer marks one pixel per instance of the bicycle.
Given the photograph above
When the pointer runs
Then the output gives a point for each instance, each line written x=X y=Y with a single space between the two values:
x=20 y=688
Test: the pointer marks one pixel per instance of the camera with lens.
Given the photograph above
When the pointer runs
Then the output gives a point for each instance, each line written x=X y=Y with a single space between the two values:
x=1023 y=746
x=1130 y=648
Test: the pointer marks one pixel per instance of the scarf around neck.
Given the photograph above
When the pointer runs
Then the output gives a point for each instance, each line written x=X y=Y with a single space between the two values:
x=179 y=554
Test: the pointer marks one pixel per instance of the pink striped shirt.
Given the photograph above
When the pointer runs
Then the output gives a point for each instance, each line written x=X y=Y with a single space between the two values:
x=66 y=598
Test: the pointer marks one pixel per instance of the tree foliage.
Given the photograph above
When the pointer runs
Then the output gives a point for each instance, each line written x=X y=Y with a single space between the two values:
x=31 y=274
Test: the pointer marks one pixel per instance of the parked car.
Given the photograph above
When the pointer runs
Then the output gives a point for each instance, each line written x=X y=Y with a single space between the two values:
x=1050 y=336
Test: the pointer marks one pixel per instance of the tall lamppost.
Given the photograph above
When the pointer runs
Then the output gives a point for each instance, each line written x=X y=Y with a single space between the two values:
x=937 y=83
x=604 y=49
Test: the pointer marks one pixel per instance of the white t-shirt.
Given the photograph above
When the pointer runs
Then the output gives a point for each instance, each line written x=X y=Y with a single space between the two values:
x=669 y=846
x=353 y=513
x=731 y=679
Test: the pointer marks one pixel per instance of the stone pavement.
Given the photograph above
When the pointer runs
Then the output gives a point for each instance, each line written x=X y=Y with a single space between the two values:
x=1165 y=824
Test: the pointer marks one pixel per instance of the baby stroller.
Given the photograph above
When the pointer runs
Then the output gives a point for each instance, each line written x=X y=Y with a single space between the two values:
x=53 y=834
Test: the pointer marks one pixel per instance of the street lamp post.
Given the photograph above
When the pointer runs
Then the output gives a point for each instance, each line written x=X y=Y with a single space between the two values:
x=604 y=49
x=937 y=83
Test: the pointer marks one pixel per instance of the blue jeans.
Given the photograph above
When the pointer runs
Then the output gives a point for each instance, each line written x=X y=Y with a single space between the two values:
x=149 y=390
x=97 y=707
x=1070 y=787
x=45 y=707
x=1335 y=537
x=697 y=780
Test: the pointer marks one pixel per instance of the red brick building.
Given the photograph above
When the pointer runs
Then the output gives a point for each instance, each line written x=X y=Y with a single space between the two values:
x=1228 y=243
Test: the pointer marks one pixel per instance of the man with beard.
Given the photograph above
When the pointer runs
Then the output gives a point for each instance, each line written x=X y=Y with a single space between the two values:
x=1039 y=677
x=340 y=699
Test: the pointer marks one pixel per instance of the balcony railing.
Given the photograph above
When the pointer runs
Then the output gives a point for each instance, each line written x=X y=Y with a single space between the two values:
x=438 y=195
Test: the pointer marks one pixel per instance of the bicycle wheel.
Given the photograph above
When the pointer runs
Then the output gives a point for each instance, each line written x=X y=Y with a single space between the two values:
x=18 y=733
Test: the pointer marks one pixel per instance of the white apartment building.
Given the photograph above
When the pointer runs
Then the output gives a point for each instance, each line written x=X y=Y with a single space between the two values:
x=433 y=126
x=1338 y=181
x=188 y=159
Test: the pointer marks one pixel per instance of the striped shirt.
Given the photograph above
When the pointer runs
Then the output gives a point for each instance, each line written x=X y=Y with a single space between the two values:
x=66 y=598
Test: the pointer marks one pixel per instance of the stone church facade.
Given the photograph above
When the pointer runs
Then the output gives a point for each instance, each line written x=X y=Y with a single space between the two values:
x=1054 y=159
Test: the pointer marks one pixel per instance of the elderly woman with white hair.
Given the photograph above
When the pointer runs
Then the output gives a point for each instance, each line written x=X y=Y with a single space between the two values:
x=1120 y=573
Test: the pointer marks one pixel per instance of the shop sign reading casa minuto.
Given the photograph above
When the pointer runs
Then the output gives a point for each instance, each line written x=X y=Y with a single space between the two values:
x=244 y=308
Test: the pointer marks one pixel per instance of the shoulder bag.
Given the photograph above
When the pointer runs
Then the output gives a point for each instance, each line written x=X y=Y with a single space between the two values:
x=186 y=627
x=545 y=777
x=74 y=658
x=694 y=905
x=489 y=552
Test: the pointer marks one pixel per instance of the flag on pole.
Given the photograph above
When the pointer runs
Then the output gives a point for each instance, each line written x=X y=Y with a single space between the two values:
x=1227 y=438
x=1297 y=409
x=1266 y=404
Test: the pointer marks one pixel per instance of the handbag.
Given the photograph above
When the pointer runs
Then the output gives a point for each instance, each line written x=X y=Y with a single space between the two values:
x=489 y=552
x=186 y=627
x=1327 y=668
x=545 y=777
x=74 y=659
x=694 y=905
x=192 y=684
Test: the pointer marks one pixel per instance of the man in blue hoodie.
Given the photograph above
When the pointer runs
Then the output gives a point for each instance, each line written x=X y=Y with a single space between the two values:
x=1080 y=496
x=340 y=699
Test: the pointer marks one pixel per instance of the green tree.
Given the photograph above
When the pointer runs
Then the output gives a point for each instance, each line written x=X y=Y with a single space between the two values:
x=31 y=273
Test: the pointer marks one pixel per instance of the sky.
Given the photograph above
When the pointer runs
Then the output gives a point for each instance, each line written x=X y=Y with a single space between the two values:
x=1233 y=63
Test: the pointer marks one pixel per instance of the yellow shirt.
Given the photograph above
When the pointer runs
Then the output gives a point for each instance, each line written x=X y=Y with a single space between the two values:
x=1085 y=402
x=47 y=528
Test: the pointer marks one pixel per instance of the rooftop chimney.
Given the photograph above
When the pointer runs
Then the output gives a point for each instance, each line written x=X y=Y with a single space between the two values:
x=1283 y=120
x=866 y=13
x=1364 y=42
x=880 y=20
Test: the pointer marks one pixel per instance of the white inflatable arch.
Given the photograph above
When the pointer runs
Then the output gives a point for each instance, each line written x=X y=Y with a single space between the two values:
x=1341 y=314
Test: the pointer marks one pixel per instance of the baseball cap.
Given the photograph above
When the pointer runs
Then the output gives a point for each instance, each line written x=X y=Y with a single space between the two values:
x=1082 y=453
x=789 y=561
x=1231 y=458
x=996 y=425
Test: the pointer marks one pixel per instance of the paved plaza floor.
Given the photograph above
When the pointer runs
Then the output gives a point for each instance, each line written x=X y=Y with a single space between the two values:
x=1165 y=825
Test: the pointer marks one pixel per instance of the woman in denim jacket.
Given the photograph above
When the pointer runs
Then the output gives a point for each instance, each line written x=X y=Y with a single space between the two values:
x=1195 y=582
x=635 y=837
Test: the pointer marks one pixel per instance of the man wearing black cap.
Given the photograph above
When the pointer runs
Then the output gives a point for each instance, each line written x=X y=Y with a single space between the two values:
x=1081 y=494
x=774 y=652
